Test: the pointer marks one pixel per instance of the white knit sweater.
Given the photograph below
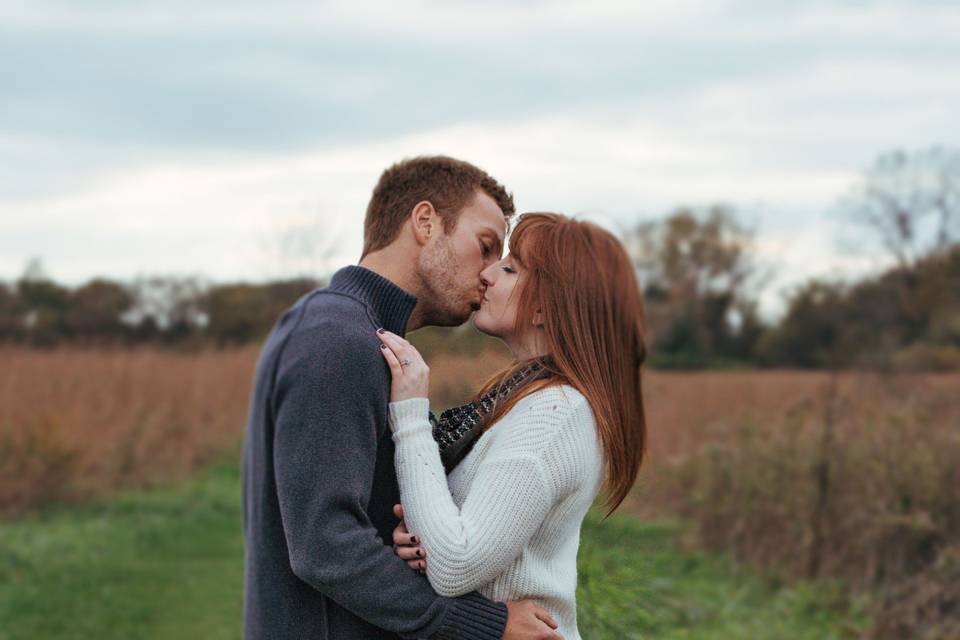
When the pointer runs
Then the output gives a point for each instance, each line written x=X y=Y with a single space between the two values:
x=507 y=520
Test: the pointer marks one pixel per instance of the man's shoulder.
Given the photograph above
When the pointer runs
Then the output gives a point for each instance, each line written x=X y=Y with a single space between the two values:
x=326 y=311
x=329 y=326
x=330 y=308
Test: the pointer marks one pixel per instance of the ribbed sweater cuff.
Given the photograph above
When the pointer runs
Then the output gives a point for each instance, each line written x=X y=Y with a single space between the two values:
x=473 y=617
x=409 y=418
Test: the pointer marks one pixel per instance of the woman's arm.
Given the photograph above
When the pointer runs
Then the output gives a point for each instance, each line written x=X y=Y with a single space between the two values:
x=508 y=501
x=509 y=497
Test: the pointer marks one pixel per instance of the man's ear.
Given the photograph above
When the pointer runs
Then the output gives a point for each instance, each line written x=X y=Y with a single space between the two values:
x=424 y=219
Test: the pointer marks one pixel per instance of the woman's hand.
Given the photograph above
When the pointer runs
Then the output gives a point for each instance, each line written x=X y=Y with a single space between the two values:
x=411 y=375
x=407 y=546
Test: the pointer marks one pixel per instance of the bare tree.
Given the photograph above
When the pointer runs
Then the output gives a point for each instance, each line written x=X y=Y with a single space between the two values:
x=691 y=254
x=698 y=275
x=911 y=201
x=169 y=303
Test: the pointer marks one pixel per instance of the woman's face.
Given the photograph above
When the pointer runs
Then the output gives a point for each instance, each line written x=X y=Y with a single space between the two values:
x=498 y=308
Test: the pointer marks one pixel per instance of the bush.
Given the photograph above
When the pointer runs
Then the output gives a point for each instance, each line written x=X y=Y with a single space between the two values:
x=863 y=486
x=927 y=357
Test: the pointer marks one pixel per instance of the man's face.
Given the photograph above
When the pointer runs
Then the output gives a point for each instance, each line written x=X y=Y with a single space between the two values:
x=449 y=266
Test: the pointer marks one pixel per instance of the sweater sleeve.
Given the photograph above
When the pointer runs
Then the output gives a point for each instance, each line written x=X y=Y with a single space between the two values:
x=507 y=502
x=325 y=444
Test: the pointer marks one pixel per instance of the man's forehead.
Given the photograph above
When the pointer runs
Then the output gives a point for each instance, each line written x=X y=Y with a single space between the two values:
x=495 y=231
x=483 y=225
x=487 y=215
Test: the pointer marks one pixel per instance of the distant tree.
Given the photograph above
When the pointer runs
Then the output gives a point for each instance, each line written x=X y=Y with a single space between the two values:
x=873 y=323
x=810 y=333
x=12 y=314
x=96 y=309
x=283 y=293
x=172 y=308
x=697 y=274
x=34 y=271
x=911 y=202
x=45 y=304
x=240 y=313
x=939 y=292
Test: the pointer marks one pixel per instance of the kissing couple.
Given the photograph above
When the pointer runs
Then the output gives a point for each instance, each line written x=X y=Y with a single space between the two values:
x=366 y=517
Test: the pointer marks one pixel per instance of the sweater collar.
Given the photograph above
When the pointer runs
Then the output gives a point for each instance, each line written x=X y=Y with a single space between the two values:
x=390 y=304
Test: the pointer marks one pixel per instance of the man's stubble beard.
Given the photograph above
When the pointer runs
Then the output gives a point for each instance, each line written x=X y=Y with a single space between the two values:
x=442 y=296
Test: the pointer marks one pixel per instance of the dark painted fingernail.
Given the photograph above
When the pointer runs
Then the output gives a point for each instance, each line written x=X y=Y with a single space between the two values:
x=380 y=330
x=419 y=553
x=414 y=540
x=383 y=346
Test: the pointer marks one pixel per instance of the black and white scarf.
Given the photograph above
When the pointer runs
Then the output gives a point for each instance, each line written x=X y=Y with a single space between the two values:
x=457 y=429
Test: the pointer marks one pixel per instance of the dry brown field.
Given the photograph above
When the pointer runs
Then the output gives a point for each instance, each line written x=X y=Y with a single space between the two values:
x=855 y=475
x=78 y=422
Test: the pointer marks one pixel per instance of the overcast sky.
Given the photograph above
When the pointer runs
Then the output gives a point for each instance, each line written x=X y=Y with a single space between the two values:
x=201 y=138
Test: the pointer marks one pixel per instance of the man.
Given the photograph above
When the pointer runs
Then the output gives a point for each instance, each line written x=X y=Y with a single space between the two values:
x=319 y=481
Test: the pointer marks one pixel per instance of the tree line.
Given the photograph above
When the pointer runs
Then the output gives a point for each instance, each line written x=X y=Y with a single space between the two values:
x=699 y=309
x=700 y=281
x=37 y=311
x=698 y=273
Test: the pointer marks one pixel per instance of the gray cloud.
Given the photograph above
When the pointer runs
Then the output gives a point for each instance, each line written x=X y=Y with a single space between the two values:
x=621 y=108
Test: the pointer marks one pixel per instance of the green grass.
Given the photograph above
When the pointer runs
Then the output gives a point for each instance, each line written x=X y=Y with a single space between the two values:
x=635 y=583
x=168 y=564
x=160 y=564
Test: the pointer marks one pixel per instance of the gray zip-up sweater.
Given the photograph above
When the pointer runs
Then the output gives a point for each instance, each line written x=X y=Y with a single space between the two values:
x=319 y=482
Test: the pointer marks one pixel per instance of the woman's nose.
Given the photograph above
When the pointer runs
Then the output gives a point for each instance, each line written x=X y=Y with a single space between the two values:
x=487 y=276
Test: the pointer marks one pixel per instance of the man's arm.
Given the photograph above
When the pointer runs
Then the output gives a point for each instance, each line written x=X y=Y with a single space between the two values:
x=325 y=445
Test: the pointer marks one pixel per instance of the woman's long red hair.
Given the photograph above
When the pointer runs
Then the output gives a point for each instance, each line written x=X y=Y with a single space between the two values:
x=582 y=281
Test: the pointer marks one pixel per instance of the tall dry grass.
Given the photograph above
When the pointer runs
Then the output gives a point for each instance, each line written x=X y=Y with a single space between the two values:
x=76 y=423
x=850 y=476
x=855 y=476
x=805 y=474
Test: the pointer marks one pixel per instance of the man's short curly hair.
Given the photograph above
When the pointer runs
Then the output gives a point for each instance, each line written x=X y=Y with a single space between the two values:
x=447 y=183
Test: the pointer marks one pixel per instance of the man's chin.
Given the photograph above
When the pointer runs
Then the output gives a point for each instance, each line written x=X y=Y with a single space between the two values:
x=450 y=319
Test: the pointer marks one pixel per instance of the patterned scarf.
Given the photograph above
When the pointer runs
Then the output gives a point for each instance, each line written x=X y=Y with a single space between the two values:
x=457 y=429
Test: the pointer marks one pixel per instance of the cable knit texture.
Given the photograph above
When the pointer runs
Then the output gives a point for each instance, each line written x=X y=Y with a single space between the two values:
x=506 y=522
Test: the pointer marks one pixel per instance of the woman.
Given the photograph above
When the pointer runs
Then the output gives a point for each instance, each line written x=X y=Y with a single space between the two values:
x=563 y=421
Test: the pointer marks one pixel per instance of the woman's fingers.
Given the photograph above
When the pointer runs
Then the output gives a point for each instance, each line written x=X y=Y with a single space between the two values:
x=419 y=566
x=406 y=545
x=400 y=347
x=394 y=337
x=411 y=375
x=407 y=553
x=392 y=361
x=393 y=341
x=411 y=553
x=404 y=539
